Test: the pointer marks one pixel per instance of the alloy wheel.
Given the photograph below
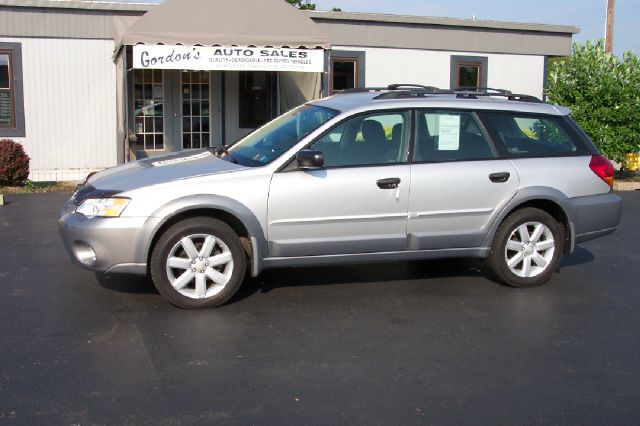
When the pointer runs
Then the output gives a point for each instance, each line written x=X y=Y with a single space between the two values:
x=199 y=266
x=529 y=249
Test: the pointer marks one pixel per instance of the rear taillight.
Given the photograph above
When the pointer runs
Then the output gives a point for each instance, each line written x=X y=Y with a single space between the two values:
x=602 y=167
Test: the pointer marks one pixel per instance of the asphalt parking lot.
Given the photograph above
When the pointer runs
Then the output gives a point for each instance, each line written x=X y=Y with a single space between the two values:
x=398 y=343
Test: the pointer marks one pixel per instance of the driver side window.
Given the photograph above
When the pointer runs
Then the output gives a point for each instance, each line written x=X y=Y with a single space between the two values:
x=370 y=139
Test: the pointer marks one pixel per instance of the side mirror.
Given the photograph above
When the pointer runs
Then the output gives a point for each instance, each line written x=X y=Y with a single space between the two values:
x=309 y=159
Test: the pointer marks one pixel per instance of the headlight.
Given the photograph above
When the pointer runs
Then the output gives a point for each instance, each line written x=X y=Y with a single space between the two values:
x=103 y=207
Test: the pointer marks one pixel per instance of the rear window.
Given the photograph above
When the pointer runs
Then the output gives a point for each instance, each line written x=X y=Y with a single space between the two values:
x=527 y=135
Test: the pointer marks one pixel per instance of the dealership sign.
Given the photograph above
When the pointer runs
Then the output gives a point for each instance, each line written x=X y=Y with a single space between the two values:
x=227 y=58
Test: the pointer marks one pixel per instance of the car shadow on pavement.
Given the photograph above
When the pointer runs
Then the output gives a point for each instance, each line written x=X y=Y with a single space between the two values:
x=312 y=276
x=358 y=273
x=338 y=274
x=579 y=256
x=125 y=283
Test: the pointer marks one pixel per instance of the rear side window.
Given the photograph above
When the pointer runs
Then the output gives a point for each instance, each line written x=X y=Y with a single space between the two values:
x=450 y=136
x=527 y=135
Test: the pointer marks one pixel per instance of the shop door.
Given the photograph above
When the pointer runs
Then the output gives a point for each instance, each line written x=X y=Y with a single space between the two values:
x=148 y=113
x=193 y=118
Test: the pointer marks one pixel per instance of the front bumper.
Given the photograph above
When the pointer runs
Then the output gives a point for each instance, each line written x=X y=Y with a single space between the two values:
x=120 y=244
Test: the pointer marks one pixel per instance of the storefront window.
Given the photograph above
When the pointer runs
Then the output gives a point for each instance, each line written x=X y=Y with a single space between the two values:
x=11 y=102
x=7 y=115
x=149 y=107
x=255 y=99
x=4 y=71
x=468 y=72
x=344 y=74
x=347 y=71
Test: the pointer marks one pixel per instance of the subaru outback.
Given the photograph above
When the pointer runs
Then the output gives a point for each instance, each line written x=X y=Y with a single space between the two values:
x=400 y=173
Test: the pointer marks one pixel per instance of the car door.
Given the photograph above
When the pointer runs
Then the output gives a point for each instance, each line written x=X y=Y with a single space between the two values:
x=356 y=203
x=458 y=181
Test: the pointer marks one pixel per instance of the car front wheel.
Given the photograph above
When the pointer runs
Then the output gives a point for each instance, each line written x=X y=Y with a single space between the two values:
x=198 y=263
x=526 y=248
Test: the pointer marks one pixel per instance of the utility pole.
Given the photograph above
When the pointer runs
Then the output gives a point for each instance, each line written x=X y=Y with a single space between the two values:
x=608 y=30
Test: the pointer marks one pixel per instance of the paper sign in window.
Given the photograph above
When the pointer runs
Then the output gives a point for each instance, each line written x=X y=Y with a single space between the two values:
x=449 y=139
x=6 y=109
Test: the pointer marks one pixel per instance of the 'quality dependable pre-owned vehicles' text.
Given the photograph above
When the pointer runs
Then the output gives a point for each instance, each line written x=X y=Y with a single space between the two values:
x=400 y=173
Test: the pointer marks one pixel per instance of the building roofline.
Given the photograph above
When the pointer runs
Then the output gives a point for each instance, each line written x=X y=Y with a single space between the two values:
x=326 y=15
x=315 y=14
x=432 y=20
x=79 y=4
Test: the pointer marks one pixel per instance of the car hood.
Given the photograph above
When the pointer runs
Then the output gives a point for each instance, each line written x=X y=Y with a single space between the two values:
x=156 y=170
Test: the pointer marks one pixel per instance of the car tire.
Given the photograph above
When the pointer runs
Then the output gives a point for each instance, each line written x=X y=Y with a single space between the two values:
x=198 y=263
x=526 y=249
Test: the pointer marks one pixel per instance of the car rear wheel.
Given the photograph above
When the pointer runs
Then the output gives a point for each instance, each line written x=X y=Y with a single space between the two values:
x=198 y=263
x=526 y=248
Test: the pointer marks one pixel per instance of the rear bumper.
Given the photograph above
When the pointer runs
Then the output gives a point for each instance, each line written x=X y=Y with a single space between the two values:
x=595 y=215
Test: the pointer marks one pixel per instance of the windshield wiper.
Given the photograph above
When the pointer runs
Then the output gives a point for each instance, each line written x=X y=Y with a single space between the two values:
x=224 y=149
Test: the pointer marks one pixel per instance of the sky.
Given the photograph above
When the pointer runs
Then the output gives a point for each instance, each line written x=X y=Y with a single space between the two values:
x=589 y=15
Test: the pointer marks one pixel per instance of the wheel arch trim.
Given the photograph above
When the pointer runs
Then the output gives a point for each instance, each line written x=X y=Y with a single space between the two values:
x=534 y=193
x=209 y=202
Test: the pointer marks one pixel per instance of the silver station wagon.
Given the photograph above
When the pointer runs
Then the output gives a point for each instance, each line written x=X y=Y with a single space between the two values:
x=404 y=172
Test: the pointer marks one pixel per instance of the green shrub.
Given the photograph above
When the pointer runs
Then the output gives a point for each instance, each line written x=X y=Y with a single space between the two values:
x=603 y=93
x=14 y=163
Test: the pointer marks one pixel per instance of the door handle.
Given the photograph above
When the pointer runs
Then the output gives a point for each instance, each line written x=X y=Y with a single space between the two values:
x=499 y=177
x=388 y=183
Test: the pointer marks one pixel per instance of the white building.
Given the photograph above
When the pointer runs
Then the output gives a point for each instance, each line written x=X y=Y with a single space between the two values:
x=80 y=97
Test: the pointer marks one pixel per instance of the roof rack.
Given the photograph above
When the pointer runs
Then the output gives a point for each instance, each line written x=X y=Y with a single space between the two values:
x=482 y=91
x=525 y=98
x=406 y=90
x=412 y=86
x=361 y=90
x=414 y=92
x=474 y=92
x=396 y=87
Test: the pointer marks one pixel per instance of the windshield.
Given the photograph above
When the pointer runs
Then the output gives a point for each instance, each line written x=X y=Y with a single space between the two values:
x=270 y=141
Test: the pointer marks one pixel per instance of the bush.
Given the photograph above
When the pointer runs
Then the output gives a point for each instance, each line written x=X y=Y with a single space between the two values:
x=14 y=163
x=603 y=93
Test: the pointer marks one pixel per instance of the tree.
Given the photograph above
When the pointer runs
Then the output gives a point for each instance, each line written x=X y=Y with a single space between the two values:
x=302 y=4
x=305 y=5
x=603 y=93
